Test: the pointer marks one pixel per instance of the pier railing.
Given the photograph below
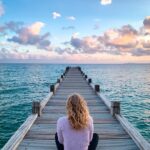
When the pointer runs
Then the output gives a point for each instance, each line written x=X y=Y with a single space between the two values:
x=37 y=108
x=113 y=106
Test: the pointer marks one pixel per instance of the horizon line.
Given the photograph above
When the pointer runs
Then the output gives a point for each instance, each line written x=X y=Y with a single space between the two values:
x=73 y=63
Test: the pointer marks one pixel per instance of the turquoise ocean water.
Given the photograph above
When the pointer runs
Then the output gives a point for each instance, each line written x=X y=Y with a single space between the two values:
x=20 y=84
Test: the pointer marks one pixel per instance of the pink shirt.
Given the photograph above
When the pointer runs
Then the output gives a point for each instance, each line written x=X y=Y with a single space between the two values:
x=74 y=139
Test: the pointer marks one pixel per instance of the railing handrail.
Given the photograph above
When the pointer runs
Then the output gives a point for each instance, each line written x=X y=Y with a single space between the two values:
x=18 y=136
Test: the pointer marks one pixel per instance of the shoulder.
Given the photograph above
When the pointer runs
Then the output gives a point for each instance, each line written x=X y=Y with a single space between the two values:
x=90 y=118
x=62 y=119
x=61 y=122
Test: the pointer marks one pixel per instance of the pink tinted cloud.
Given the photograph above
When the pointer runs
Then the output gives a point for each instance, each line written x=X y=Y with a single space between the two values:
x=119 y=44
x=30 y=35
x=116 y=41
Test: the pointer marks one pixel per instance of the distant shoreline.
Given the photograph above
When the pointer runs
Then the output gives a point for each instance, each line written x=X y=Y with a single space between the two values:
x=75 y=63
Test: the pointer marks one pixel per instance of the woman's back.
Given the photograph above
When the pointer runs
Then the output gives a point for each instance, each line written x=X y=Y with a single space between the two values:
x=75 y=131
x=73 y=139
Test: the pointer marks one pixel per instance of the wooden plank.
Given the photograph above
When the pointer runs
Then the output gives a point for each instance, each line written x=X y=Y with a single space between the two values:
x=76 y=90
x=38 y=131
x=95 y=116
x=63 y=103
x=63 y=111
x=28 y=144
x=54 y=121
x=117 y=144
x=65 y=99
x=35 y=142
x=96 y=121
x=113 y=144
x=51 y=136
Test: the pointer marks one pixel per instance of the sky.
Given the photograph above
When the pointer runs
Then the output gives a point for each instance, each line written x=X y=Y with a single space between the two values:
x=75 y=31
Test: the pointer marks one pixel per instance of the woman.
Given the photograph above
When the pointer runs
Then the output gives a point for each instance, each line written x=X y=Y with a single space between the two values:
x=75 y=131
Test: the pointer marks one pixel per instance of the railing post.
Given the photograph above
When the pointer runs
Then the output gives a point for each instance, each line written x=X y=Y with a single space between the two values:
x=85 y=76
x=79 y=68
x=67 y=68
x=36 y=108
x=115 y=107
x=97 y=89
x=52 y=88
x=89 y=80
x=58 y=80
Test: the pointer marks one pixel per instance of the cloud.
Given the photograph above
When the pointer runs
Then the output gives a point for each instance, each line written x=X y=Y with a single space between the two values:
x=127 y=29
x=1 y=9
x=56 y=15
x=68 y=28
x=146 y=44
x=35 y=28
x=30 y=35
x=146 y=22
x=71 y=18
x=68 y=50
x=38 y=56
x=106 y=2
x=6 y=53
x=10 y=26
x=146 y=26
x=91 y=45
x=28 y=56
x=77 y=43
x=123 y=38
x=140 y=52
x=118 y=41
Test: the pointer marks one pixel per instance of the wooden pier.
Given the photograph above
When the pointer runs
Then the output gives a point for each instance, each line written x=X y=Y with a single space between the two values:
x=37 y=132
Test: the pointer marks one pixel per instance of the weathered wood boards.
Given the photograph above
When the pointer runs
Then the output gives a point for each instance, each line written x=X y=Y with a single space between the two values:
x=111 y=133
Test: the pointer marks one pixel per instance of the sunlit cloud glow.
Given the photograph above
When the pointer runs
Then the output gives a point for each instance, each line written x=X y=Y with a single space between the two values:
x=35 y=28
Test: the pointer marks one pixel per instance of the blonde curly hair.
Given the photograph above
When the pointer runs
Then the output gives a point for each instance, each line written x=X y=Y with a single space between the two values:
x=77 y=110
